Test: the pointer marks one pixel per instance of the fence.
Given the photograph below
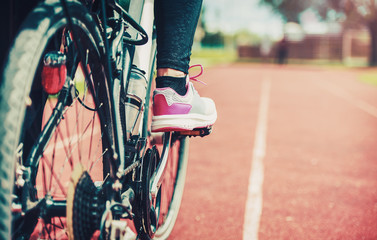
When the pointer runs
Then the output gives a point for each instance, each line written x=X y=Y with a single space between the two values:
x=349 y=47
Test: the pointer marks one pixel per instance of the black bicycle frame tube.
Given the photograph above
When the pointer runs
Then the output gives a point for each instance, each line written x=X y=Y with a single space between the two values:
x=45 y=136
x=54 y=208
x=110 y=75
x=114 y=149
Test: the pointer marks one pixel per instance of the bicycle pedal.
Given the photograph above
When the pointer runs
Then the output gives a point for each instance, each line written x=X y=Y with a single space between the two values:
x=197 y=132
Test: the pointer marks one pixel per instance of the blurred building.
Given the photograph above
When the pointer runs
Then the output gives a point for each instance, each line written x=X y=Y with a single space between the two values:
x=351 y=47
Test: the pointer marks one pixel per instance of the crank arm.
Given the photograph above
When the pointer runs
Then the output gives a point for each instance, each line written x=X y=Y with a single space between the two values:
x=158 y=175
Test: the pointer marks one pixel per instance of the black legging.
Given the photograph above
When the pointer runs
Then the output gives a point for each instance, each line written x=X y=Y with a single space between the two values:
x=176 y=22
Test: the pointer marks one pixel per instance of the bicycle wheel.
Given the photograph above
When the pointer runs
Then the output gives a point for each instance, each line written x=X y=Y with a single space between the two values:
x=42 y=136
x=172 y=185
x=169 y=200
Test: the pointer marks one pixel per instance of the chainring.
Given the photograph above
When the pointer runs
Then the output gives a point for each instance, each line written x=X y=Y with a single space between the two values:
x=148 y=209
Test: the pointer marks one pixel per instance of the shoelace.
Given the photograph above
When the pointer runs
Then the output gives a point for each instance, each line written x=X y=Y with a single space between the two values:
x=198 y=75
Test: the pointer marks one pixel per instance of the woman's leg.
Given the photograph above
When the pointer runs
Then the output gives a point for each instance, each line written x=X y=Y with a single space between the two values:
x=176 y=21
x=177 y=106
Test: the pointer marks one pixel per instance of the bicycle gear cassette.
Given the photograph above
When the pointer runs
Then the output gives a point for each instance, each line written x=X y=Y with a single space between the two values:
x=84 y=205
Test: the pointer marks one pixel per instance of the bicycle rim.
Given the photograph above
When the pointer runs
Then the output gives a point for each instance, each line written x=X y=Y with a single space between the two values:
x=171 y=190
x=172 y=186
x=77 y=137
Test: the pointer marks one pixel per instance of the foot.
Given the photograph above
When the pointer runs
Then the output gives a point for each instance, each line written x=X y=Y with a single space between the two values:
x=174 y=112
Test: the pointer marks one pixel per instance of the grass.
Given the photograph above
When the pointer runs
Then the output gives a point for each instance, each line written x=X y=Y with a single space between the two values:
x=369 y=76
x=209 y=57
x=214 y=56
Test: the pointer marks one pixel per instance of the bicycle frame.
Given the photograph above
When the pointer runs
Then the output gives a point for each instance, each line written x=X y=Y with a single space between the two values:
x=140 y=56
x=141 y=16
x=143 y=58
x=127 y=150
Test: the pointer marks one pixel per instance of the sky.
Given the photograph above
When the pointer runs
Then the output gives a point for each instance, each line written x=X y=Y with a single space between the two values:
x=230 y=16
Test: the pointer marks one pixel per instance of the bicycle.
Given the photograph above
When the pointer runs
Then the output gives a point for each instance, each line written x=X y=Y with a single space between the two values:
x=78 y=159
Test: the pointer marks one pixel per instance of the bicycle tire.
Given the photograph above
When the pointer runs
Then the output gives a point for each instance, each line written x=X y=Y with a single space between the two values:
x=171 y=192
x=176 y=167
x=178 y=154
x=38 y=33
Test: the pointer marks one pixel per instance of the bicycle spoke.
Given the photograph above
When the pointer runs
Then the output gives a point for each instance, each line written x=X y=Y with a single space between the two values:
x=44 y=182
x=96 y=161
x=57 y=179
x=78 y=131
x=47 y=231
x=55 y=137
x=91 y=139
x=53 y=159
x=53 y=226
x=69 y=142
x=60 y=134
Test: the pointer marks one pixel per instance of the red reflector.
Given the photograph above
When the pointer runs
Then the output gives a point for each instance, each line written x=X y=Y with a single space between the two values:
x=53 y=78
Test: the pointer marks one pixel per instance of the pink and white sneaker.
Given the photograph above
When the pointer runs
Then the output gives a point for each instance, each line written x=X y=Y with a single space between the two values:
x=173 y=112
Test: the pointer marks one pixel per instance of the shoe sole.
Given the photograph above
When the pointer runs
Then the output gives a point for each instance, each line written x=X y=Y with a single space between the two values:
x=184 y=122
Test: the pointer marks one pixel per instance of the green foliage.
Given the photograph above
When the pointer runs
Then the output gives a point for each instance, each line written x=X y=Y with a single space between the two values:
x=289 y=9
x=213 y=39
x=369 y=76
x=355 y=11
x=209 y=57
x=245 y=37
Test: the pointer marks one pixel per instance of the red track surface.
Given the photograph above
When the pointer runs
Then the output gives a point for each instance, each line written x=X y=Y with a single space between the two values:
x=320 y=168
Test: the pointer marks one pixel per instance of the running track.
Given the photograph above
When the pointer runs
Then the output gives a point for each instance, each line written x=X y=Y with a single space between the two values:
x=293 y=156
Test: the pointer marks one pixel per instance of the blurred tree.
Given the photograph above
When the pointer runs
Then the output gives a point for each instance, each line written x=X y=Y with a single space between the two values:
x=365 y=12
x=355 y=12
x=289 y=9
x=216 y=39
x=209 y=38
x=245 y=37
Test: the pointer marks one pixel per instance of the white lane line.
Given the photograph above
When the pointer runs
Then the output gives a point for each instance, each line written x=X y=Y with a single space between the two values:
x=339 y=92
x=254 y=200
